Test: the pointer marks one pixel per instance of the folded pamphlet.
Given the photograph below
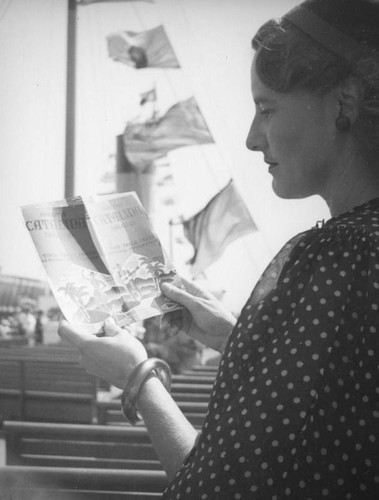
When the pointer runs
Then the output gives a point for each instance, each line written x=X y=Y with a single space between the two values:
x=102 y=259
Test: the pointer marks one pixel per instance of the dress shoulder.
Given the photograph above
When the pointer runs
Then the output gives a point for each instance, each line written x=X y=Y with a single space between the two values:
x=346 y=247
x=351 y=236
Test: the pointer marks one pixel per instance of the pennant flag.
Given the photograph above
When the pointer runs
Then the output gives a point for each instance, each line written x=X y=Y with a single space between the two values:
x=224 y=219
x=87 y=2
x=149 y=96
x=182 y=125
x=145 y=49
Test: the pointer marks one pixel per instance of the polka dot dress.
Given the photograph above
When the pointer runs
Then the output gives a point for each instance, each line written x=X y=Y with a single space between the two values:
x=294 y=412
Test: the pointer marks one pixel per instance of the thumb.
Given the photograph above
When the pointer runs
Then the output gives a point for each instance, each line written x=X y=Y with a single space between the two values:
x=111 y=329
x=178 y=295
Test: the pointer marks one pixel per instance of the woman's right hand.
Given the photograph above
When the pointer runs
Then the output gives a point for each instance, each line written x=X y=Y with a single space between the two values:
x=204 y=317
x=111 y=357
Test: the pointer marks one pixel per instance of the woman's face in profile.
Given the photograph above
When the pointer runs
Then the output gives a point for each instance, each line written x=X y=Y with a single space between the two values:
x=296 y=134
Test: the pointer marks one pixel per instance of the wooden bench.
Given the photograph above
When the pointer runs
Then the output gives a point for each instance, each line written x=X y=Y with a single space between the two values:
x=191 y=388
x=59 y=352
x=46 y=390
x=109 y=412
x=8 y=343
x=39 y=351
x=193 y=378
x=204 y=368
x=47 y=483
x=70 y=445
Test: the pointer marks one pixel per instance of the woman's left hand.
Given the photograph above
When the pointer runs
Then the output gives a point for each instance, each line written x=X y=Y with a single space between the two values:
x=112 y=357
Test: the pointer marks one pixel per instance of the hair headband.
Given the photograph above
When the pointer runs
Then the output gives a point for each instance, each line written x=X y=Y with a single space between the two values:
x=325 y=34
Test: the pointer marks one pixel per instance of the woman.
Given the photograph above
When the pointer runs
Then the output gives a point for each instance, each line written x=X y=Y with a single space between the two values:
x=294 y=411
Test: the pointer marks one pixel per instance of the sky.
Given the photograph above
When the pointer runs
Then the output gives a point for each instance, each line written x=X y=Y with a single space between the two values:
x=211 y=39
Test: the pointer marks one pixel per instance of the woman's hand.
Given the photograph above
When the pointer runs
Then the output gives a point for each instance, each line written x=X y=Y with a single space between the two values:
x=111 y=357
x=205 y=318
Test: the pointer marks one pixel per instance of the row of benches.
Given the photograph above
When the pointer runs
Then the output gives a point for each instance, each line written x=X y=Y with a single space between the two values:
x=79 y=461
x=109 y=412
x=47 y=458
x=79 y=445
x=57 y=389
x=46 y=483
x=31 y=389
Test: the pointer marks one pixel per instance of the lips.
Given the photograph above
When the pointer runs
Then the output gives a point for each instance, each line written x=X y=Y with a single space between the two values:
x=271 y=166
x=269 y=162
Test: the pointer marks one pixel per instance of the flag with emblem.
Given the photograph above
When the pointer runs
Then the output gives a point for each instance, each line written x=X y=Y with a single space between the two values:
x=145 y=49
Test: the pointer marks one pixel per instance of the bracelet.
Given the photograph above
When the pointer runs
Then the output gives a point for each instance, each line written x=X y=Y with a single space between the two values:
x=149 y=368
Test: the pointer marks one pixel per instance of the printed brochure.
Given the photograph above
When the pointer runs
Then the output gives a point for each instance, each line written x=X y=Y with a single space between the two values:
x=102 y=259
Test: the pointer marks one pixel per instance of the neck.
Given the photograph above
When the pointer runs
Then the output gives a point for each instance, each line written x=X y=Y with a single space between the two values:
x=347 y=201
x=354 y=184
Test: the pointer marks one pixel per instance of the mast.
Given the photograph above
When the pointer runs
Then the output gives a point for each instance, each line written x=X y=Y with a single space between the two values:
x=70 y=99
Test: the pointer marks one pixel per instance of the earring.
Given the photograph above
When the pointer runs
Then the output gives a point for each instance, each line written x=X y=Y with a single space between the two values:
x=343 y=123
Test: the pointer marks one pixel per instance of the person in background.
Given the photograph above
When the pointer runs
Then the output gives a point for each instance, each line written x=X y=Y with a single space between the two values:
x=180 y=351
x=27 y=323
x=5 y=328
x=294 y=409
x=39 y=328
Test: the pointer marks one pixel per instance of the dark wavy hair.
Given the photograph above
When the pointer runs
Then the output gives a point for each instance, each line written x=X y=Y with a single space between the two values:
x=286 y=59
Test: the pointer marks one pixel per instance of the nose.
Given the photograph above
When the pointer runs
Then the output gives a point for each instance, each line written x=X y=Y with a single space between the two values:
x=255 y=140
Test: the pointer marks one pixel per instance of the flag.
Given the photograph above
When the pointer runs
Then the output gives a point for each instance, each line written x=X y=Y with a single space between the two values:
x=224 y=219
x=129 y=179
x=150 y=48
x=182 y=125
x=149 y=96
x=123 y=165
x=87 y=2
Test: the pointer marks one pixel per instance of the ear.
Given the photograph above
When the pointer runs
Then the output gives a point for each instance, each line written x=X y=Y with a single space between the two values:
x=349 y=95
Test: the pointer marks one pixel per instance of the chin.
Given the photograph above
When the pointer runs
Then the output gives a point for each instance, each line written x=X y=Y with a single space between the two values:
x=287 y=192
x=282 y=191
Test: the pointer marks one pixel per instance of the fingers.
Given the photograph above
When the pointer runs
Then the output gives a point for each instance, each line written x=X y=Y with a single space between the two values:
x=195 y=289
x=172 y=322
x=76 y=337
x=178 y=295
x=110 y=327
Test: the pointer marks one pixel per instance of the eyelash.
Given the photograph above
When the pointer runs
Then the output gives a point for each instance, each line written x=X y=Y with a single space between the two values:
x=264 y=111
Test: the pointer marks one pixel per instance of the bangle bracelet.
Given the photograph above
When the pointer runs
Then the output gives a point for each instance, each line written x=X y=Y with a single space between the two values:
x=142 y=372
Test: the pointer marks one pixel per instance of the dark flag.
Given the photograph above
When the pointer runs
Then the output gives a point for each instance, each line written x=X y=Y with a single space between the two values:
x=129 y=179
x=146 y=49
x=182 y=125
x=224 y=219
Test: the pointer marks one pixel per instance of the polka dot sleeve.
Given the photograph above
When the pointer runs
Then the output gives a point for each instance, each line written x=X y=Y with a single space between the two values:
x=294 y=412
